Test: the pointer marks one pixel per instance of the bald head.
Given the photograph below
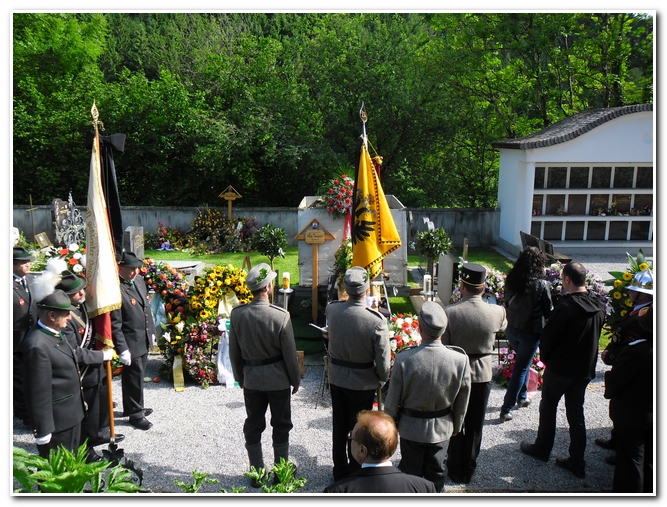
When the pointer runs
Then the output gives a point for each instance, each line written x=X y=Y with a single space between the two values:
x=378 y=433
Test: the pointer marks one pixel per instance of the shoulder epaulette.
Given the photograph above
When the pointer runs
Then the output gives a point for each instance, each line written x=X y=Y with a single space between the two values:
x=278 y=308
x=375 y=312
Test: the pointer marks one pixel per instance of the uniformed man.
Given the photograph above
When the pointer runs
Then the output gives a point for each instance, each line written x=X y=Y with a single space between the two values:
x=264 y=362
x=428 y=395
x=24 y=311
x=79 y=333
x=52 y=384
x=472 y=325
x=359 y=361
x=133 y=334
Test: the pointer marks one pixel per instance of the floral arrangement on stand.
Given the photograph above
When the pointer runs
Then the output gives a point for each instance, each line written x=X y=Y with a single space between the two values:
x=403 y=333
x=618 y=293
x=338 y=197
x=200 y=350
x=218 y=283
x=506 y=366
x=74 y=255
x=170 y=284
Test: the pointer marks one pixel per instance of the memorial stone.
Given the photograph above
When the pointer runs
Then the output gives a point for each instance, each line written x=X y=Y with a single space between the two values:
x=133 y=240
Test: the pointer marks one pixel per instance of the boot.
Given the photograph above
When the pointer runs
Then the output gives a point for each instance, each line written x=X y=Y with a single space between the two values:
x=256 y=459
x=280 y=451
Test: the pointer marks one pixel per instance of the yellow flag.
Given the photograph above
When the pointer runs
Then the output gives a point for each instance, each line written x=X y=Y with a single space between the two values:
x=374 y=233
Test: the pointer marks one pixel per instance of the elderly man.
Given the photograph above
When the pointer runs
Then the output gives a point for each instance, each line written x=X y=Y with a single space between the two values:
x=79 y=333
x=133 y=333
x=428 y=396
x=569 y=349
x=359 y=360
x=264 y=361
x=472 y=325
x=373 y=442
x=52 y=386
x=24 y=310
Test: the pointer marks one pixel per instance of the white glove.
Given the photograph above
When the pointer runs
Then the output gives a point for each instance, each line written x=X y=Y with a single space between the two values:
x=43 y=440
x=108 y=354
x=153 y=342
x=126 y=358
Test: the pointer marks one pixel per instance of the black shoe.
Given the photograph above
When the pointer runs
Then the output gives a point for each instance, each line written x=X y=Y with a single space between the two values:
x=565 y=463
x=255 y=484
x=93 y=457
x=455 y=477
x=147 y=412
x=466 y=479
x=142 y=424
x=118 y=438
x=606 y=444
x=611 y=460
x=531 y=450
x=523 y=403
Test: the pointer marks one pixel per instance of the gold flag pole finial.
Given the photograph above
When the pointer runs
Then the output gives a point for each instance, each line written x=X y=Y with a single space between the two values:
x=97 y=124
x=364 y=118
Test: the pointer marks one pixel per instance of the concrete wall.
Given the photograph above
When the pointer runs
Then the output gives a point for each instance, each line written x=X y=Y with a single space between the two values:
x=480 y=226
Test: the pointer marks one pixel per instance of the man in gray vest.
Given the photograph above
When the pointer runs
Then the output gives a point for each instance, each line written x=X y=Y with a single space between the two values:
x=428 y=395
x=264 y=361
x=472 y=325
x=359 y=361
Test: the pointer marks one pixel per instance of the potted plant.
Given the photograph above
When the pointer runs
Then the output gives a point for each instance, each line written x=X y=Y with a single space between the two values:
x=270 y=241
x=431 y=244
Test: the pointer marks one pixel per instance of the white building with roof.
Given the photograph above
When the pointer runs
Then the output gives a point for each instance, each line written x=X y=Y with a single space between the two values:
x=585 y=183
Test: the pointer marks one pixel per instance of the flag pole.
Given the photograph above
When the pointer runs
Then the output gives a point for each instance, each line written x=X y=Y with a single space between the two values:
x=364 y=118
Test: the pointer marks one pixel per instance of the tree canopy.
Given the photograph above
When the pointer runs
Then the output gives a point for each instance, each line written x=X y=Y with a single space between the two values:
x=269 y=103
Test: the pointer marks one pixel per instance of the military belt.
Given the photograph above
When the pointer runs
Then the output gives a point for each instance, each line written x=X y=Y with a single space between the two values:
x=425 y=414
x=263 y=362
x=350 y=364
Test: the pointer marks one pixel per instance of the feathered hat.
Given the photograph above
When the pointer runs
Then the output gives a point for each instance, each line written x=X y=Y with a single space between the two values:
x=45 y=284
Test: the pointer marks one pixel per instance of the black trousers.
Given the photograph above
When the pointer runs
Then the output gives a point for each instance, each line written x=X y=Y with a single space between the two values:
x=133 y=387
x=424 y=460
x=256 y=403
x=634 y=460
x=464 y=447
x=20 y=408
x=70 y=439
x=95 y=426
x=345 y=405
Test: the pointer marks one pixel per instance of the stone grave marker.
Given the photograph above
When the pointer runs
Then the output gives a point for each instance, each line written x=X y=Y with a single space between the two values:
x=133 y=240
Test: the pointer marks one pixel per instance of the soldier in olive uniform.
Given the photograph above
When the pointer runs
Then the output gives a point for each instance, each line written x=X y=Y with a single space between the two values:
x=264 y=361
x=428 y=395
x=24 y=312
x=472 y=325
x=359 y=361
x=79 y=333
x=133 y=334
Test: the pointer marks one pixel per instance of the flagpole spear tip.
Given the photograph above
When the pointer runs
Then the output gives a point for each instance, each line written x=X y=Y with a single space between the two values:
x=96 y=123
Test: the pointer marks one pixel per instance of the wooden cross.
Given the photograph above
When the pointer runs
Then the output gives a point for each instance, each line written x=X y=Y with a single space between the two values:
x=31 y=210
x=315 y=234
x=230 y=195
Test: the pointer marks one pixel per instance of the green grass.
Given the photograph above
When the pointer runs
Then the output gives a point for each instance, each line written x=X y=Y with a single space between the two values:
x=290 y=263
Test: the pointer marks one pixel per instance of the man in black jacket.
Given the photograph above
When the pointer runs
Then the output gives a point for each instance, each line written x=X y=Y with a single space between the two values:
x=373 y=442
x=569 y=349
x=133 y=334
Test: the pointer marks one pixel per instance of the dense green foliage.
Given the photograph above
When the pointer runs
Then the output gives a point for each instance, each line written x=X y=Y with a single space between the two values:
x=269 y=103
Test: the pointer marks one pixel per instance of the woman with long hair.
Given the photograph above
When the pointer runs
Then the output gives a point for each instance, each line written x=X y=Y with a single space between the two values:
x=528 y=303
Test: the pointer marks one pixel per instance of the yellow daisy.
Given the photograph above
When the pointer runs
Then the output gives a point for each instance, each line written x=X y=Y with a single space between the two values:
x=617 y=295
x=617 y=283
x=628 y=303
x=627 y=276
x=643 y=266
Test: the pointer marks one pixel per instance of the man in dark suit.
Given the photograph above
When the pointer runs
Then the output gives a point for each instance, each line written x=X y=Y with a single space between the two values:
x=79 y=333
x=133 y=334
x=359 y=361
x=373 y=442
x=472 y=325
x=52 y=386
x=24 y=312
x=264 y=361
x=428 y=396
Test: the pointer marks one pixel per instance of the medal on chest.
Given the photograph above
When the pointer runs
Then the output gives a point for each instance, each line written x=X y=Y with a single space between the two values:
x=21 y=302
x=133 y=301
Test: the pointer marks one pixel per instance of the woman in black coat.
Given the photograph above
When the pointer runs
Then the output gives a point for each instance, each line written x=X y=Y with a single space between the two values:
x=528 y=302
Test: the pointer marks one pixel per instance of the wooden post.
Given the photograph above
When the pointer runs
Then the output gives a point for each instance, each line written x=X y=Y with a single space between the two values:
x=314 y=234
x=31 y=210
x=465 y=249
x=230 y=195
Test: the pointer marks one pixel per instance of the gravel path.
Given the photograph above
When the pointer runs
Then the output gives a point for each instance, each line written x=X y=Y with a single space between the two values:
x=202 y=429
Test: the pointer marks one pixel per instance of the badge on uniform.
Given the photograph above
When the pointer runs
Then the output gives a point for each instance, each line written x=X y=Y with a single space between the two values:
x=21 y=302
x=133 y=301
x=81 y=331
